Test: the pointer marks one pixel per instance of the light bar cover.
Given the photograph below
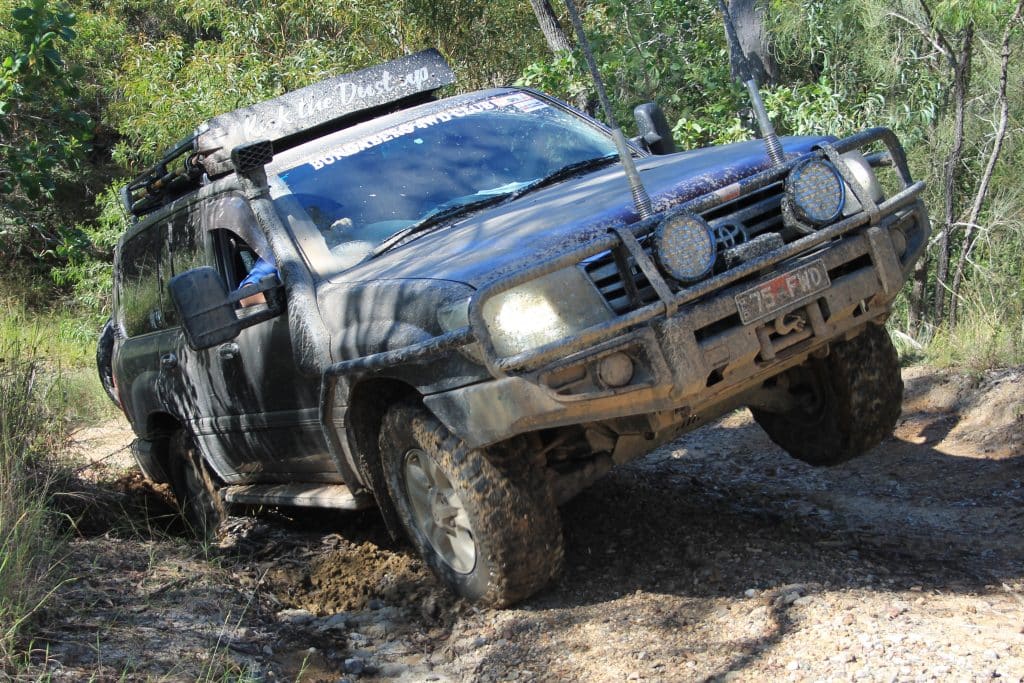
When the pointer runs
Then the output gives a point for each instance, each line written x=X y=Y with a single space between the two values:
x=318 y=104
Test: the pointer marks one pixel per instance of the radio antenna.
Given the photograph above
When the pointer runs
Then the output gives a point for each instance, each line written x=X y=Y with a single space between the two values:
x=746 y=75
x=641 y=199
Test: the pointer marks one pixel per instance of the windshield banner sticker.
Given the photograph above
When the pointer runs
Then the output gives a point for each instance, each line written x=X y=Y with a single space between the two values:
x=520 y=101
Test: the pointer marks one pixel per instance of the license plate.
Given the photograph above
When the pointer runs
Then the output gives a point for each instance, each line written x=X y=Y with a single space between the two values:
x=776 y=294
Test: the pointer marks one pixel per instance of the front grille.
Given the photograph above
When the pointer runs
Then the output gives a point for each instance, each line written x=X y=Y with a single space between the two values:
x=733 y=223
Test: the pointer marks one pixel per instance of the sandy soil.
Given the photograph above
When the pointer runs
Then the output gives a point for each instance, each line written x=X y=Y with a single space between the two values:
x=717 y=557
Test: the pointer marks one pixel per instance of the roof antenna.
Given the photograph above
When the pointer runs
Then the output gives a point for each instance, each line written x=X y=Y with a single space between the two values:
x=641 y=199
x=746 y=74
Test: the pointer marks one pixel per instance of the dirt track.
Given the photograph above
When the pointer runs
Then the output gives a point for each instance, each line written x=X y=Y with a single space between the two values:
x=717 y=557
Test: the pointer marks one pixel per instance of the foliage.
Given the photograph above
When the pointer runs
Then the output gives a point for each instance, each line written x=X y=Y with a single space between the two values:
x=40 y=130
x=211 y=56
x=666 y=50
x=84 y=252
x=931 y=70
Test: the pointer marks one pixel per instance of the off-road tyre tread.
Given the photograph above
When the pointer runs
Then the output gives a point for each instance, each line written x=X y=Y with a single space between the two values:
x=105 y=359
x=194 y=487
x=864 y=393
x=515 y=521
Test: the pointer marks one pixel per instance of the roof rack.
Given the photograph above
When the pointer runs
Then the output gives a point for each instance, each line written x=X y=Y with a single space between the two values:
x=322 y=107
x=174 y=175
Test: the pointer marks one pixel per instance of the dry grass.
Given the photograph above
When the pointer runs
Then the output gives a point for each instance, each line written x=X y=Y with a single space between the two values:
x=28 y=542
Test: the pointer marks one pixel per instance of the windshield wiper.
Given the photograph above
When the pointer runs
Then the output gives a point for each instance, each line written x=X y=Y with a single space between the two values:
x=446 y=213
x=438 y=216
x=568 y=171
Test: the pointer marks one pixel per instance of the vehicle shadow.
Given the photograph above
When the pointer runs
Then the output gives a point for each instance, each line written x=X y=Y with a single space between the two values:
x=665 y=549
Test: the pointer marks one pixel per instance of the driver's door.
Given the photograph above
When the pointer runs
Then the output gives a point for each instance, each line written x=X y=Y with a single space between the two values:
x=254 y=416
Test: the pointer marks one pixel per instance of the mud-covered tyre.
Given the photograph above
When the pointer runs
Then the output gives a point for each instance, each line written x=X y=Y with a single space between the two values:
x=194 y=487
x=487 y=527
x=841 y=405
x=105 y=358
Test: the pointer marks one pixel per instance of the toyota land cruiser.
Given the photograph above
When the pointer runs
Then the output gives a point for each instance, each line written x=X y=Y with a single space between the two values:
x=466 y=319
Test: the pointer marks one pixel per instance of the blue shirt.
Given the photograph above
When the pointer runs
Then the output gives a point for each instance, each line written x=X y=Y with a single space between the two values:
x=261 y=269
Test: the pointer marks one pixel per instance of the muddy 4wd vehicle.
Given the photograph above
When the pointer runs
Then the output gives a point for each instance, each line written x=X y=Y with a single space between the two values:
x=454 y=311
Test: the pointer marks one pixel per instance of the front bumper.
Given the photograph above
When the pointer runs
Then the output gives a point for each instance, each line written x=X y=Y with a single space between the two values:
x=698 y=358
x=690 y=351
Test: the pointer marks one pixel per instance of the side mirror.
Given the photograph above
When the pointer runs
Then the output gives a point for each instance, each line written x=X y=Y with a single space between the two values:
x=652 y=128
x=207 y=310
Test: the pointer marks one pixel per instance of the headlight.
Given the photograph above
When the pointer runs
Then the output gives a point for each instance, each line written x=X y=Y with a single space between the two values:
x=816 y=192
x=544 y=310
x=861 y=170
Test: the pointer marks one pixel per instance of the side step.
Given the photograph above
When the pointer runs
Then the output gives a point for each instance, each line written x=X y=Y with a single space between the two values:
x=335 y=496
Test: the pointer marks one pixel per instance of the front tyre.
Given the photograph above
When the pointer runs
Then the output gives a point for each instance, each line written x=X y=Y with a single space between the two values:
x=488 y=529
x=194 y=487
x=836 y=408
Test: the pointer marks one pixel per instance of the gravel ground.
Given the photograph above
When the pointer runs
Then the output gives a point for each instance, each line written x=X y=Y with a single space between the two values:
x=717 y=557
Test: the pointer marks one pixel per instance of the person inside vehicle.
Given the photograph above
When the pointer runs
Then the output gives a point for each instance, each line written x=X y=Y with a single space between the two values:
x=260 y=269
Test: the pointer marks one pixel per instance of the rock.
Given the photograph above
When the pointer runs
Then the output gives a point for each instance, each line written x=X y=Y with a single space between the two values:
x=375 y=604
x=749 y=593
x=354 y=665
x=805 y=600
x=295 y=617
x=379 y=629
x=335 y=622
x=793 y=666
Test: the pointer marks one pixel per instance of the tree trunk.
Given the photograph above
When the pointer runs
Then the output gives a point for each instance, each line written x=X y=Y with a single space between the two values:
x=951 y=174
x=748 y=18
x=918 y=294
x=556 y=37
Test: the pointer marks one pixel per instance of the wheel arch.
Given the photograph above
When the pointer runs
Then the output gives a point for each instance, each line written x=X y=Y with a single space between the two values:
x=369 y=400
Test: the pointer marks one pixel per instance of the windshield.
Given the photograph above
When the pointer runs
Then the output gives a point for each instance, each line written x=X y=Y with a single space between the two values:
x=359 y=187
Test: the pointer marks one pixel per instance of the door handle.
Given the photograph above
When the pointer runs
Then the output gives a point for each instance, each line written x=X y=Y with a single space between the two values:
x=168 y=361
x=228 y=351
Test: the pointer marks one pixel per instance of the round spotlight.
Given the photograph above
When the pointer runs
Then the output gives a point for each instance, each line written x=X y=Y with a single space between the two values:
x=684 y=247
x=816 y=192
